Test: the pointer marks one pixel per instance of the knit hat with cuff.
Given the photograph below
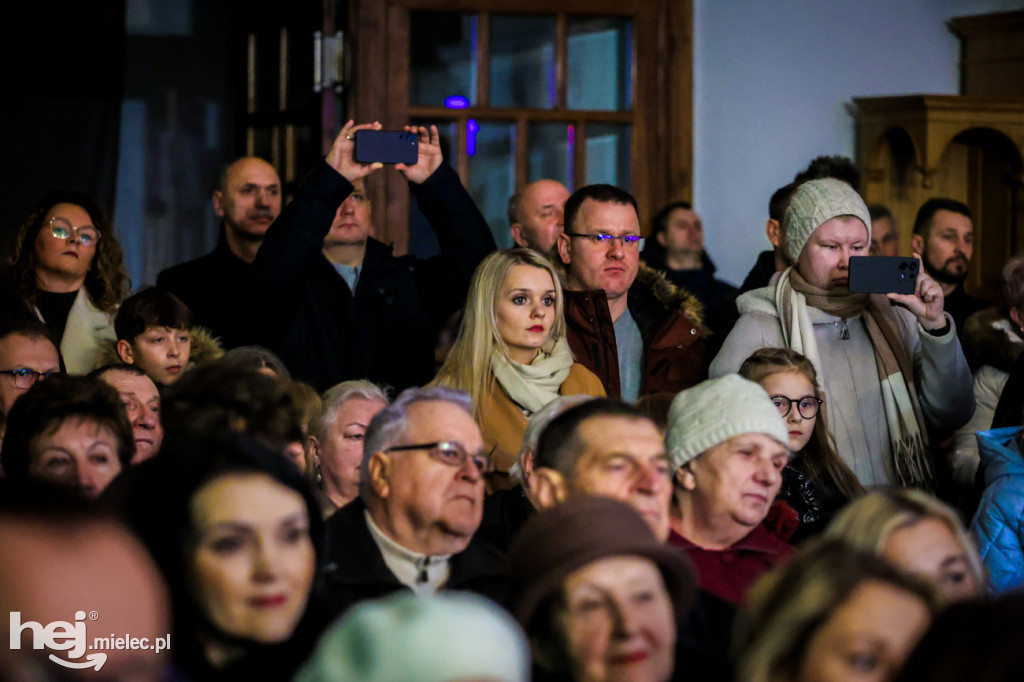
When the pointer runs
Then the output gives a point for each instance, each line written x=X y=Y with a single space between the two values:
x=714 y=411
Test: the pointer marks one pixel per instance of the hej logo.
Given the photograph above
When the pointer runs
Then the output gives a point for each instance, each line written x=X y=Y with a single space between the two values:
x=60 y=636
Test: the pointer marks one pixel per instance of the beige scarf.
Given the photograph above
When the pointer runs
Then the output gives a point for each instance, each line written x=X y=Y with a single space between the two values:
x=533 y=386
x=907 y=433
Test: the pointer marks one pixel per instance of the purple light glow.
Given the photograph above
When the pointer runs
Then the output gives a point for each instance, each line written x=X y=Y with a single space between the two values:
x=570 y=137
x=471 y=130
x=456 y=102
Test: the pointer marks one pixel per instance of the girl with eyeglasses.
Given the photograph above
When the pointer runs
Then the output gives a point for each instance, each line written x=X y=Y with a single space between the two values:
x=68 y=265
x=816 y=483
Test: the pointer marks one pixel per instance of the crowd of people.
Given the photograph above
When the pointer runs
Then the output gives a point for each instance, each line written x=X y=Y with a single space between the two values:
x=622 y=468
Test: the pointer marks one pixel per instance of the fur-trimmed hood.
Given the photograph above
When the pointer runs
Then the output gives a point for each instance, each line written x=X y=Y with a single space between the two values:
x=652 y=286
x=991 y=338
x=205 y=348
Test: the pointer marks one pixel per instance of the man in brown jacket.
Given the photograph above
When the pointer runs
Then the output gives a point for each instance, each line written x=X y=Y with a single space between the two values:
x=637 y=332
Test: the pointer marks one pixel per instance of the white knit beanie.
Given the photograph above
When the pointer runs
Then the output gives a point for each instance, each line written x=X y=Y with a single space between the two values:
x=815 y=202
x=714 y=411
x=429 y=638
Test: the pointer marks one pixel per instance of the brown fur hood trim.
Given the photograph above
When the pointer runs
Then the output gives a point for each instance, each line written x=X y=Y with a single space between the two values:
x=205 y=348
x=669 y=295
x=991 y=338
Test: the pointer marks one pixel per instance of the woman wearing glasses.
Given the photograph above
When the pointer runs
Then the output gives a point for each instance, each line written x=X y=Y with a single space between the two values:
x=68 y=264
x=511 y=355
x=816 y=483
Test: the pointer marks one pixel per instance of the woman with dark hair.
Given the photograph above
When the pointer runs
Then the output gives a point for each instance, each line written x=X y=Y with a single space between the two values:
x=68 y=264
x=236 y=531
x=68 y=430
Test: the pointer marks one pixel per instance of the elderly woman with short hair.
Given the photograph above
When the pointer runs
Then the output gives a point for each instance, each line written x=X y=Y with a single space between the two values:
x=728 y=447
x=336 y=438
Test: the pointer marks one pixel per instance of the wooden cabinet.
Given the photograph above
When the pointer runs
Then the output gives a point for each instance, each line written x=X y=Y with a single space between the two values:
x=965 y=147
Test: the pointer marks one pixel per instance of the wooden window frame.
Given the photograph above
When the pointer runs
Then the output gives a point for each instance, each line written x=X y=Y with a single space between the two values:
x=661 y=111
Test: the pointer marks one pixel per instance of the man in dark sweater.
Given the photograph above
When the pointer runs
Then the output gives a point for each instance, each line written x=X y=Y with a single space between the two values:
x=215 y=286
x=944 y=238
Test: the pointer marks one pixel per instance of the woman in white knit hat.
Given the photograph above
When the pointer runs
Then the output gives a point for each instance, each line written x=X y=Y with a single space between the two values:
x=728 y=446
x=889 y=373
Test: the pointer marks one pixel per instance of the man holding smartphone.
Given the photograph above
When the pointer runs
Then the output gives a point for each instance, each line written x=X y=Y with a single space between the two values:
x=339 y=304
x=889 y=373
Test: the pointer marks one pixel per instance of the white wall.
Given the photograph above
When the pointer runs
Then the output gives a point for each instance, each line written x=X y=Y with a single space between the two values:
x=773 y=83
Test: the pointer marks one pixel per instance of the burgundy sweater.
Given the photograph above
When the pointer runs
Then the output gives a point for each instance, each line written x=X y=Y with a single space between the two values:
x=728 y=573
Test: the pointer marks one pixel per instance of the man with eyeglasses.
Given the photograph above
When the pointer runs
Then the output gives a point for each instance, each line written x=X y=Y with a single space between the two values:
x=626 y=323
x=27 y=355
x=421 y=500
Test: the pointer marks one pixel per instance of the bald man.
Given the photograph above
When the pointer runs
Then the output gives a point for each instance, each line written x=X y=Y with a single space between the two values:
x=216 y=287
x=535 y=215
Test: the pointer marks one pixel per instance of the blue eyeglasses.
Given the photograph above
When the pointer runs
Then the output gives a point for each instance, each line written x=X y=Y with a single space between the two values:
x=25 y=377
x=628 y=241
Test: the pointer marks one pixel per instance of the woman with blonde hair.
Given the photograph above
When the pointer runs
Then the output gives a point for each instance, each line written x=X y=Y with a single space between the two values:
x=68 y=265
x=919 y=534
x=831 y=614
x=511 y=355
x=816 y=483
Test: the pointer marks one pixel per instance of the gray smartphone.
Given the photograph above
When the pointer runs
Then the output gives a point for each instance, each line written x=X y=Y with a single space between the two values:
x=386 y=146
x=883 y=274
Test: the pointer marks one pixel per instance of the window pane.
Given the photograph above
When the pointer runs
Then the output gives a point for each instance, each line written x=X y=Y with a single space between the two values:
x=608 y=154
x=522 y=61
x=492 y=173
x=600 y=73
x=442 y=61
x=550 y=152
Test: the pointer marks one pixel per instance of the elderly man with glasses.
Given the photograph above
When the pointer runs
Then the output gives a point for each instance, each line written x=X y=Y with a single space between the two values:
x=421 y=499
x=626 y=323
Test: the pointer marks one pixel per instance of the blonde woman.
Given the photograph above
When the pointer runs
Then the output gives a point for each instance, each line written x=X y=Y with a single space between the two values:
x=917 y=533
x=511 y=355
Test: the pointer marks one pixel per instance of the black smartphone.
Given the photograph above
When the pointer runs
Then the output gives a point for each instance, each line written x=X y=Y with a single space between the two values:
x=883 y=274
x=386 y=146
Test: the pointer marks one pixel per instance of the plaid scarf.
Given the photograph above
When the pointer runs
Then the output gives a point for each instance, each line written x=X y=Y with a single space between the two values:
x=907 y=434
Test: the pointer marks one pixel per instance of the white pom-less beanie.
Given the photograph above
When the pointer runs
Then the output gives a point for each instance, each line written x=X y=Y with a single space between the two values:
x=714 y=411
x=816 y=202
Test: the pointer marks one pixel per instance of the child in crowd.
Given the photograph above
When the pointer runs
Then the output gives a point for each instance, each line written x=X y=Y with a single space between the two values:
x=816 y=483
x=154 y=332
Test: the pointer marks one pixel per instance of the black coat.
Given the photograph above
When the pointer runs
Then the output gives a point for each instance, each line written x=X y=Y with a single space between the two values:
x=355 y=571
x=385 y=331
x=218 y=289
